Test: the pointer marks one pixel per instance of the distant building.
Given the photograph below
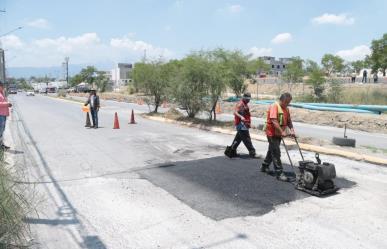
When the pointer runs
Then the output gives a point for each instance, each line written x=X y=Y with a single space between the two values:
x=120 y=74
x=277 y=67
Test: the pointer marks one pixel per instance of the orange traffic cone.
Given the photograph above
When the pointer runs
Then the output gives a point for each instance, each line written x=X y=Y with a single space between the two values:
x=132 y=118
x=88 y=123
x=116 y=123
x=218 y=110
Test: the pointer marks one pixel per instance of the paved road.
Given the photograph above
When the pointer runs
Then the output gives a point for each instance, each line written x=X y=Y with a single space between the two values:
x=154 y=185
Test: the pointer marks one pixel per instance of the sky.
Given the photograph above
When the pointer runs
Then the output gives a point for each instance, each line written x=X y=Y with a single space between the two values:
x=105 y=32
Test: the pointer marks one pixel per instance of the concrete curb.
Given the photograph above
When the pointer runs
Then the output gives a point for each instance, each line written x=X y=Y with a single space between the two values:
x=307 y=147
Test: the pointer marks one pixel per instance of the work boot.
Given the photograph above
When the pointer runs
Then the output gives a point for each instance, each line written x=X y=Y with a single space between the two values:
x=264 y=168
x=282 y=177
x=230 y=153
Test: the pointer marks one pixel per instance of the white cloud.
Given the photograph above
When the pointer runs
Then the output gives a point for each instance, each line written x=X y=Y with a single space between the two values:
x=230 y=9
x=356 y=53
x=282 y=38
x=40 y=23
x=256 y=52
x=341 y=19
x=235 y=8
x=11 y=42
x=86 y=48
x=67 y=45
x=132 y=45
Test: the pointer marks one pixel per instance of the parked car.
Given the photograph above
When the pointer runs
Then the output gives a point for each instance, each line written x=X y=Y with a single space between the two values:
x=30 y=93
x=12 y=91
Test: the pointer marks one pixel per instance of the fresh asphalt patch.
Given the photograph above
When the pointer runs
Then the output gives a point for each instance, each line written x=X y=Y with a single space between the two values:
x=222 y=188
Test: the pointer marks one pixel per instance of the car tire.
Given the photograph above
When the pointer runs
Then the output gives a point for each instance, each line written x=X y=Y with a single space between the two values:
x=342 y=141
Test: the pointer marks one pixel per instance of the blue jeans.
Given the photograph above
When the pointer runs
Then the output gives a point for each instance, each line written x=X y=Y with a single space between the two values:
x=3 y=119
x=94 y=116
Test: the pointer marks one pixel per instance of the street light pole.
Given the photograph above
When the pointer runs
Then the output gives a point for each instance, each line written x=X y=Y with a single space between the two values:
x=11 y=31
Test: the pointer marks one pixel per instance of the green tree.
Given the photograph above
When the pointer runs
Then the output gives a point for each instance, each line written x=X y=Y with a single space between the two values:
x=358 y=65
x=332 y=64
x=311 y=66
x=191 y=84
x=294 y=71
x=237 y=69
x=317 y=80
x=102 y=81
x=217 y=80
x=88 y=75
x=154 y=78
x=378 y=57
x=258 y=66
x=335 y=91
x=75 y=80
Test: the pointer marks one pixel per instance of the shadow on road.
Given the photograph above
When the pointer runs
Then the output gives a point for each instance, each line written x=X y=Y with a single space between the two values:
x=221 y=188
x=67 y=214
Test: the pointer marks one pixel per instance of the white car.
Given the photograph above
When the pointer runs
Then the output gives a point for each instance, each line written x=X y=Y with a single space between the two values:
x=30 y=93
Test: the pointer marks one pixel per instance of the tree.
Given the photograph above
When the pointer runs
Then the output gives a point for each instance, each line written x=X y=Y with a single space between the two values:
x=102 y=81
x=217 y=78
x=237 y=69
x=310 y=66
x=87 y=74
x=317 y=81
x=154 y=78
x=335 y=91
x=294 y=71
x=358 y=65
x=191 y=84
x=378 y=57
x=332 y=64
x=258 y=66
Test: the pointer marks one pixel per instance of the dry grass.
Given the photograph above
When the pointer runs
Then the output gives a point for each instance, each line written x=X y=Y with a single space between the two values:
x=14 y=206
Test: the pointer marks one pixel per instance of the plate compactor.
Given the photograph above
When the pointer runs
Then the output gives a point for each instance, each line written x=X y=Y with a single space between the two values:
x=314 y=178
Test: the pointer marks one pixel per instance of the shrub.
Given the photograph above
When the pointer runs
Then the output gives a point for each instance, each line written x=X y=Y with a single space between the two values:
x=13 y=208
x=62 y=93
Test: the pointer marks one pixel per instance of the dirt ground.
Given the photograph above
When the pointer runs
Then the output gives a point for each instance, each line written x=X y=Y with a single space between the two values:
x=356 y=121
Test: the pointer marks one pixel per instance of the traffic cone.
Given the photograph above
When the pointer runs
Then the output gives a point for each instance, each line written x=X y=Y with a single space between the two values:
x=218 y=110
x=88 y=123
x=116 y=123
x=132 y=118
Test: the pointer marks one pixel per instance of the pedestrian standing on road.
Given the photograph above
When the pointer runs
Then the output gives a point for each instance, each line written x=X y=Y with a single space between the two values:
x=375 y=77
x=93 y=101
x=353 y=77
x=242 y=122
x=364 y=79
x=277 y=121
x=4 y=113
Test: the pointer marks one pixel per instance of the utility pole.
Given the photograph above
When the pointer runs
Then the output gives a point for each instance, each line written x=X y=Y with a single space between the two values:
x=2 y=66
x=67 y=70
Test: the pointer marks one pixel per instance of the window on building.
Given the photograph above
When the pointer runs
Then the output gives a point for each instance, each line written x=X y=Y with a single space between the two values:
x=278 y=66
x=283 y=66
x=272 y=66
